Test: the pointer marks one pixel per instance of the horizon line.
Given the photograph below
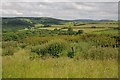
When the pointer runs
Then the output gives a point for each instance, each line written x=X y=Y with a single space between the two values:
x=54 y=18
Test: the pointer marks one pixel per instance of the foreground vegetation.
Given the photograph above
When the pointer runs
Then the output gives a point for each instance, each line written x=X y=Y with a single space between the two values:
x=63 y=67
x=60 y=52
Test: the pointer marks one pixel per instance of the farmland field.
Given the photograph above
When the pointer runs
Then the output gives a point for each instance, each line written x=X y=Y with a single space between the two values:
x=59 y=50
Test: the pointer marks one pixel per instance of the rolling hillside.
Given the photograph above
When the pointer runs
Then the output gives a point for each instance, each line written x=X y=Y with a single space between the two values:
x=25 y=22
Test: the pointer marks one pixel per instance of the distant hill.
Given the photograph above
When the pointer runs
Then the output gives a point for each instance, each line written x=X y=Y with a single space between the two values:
x=47 y=20
x=90 y=20
x=35 y=20
x=15 y=23
x=23 y=22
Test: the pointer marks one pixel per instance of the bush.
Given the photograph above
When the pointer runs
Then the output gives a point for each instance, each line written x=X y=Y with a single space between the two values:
x=80 y=32
x=8 y=51
x=103 y=53
x=81 y=49
x=54 y=48
x=93 y=26
x=40 y=49
x=23 y=45
x=64 y=28
x=56 y=29
x=10 y=36
x=9 y=44
x=9 y=48
x=70 y=30
x=71 y=53
x=99 y=53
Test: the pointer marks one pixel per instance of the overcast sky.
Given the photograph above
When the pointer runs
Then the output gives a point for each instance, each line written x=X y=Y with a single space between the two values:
x=61 y=10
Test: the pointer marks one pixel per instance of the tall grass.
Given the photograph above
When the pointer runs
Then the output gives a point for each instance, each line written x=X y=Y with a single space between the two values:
x=20 y=66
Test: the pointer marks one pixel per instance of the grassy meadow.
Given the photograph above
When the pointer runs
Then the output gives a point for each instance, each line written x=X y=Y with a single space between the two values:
x=20 y=66
x=61 y=51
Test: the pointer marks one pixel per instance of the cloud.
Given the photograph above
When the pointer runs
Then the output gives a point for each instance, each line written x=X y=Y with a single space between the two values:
x=60 y=0
x=62 y=10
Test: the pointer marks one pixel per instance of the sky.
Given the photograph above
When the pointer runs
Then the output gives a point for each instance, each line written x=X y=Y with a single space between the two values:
x=61 y=10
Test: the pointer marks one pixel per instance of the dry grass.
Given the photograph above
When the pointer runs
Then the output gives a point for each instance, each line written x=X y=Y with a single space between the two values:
x=20 y=66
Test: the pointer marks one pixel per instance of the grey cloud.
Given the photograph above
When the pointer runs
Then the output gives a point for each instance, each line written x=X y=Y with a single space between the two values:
x=62 y=10
x=60 y=0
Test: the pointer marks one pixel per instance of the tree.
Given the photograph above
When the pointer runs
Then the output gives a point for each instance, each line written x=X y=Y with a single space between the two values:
x=70 y=30
x=69 y=24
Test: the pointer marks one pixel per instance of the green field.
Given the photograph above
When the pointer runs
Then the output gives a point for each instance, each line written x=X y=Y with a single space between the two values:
x=60 y=50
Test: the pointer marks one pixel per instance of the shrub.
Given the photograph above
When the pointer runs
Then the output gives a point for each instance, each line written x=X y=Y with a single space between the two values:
x=102 y=53
x=35 y=40
x=9 y=44
x=71 y=53
x=64 y=28
x=10 y=36
x=93 y=26
x=80 y=32
x=55 y=29
x=40 y=49
x=9 y=51
x=9 y=48
x=47 y=25
x=81 y=49
x=54 y=48
x=70 y=29
x=23 y=45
